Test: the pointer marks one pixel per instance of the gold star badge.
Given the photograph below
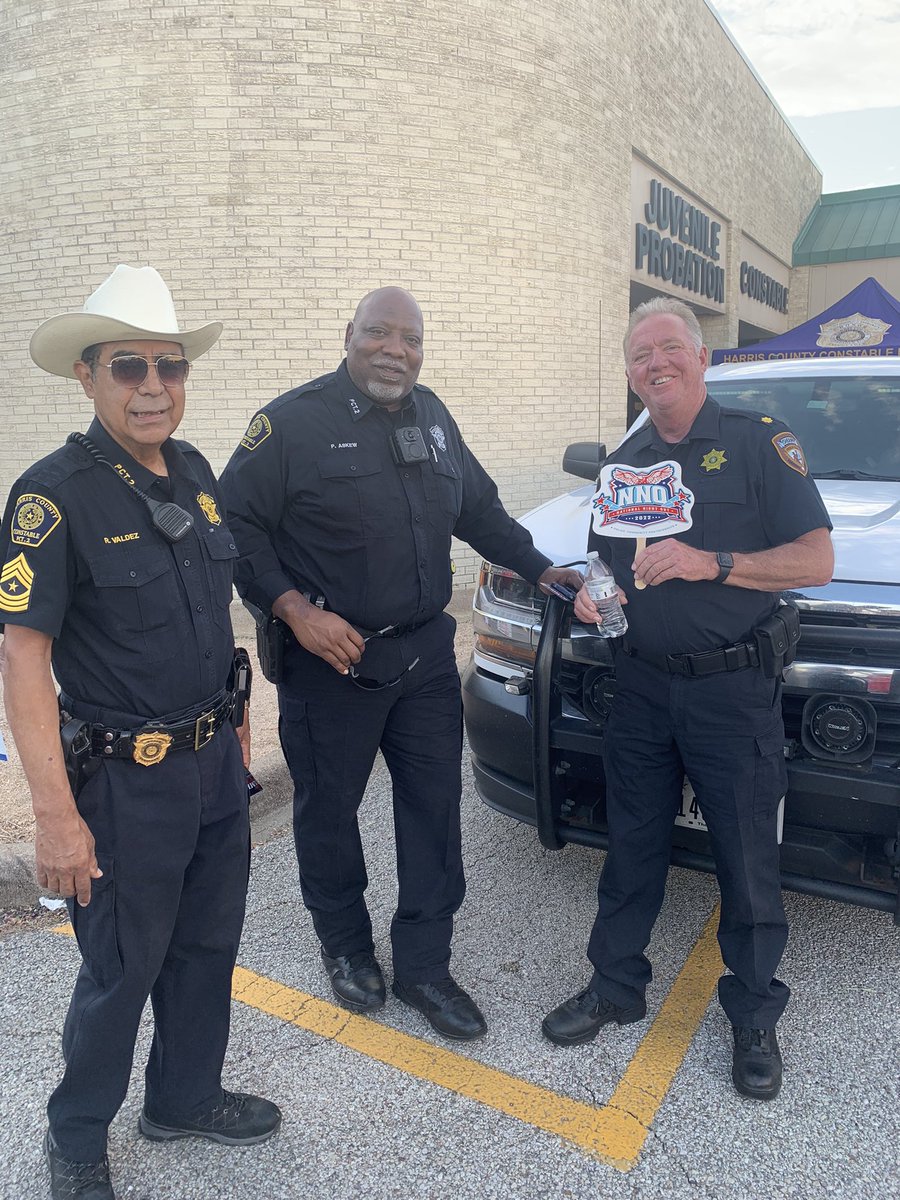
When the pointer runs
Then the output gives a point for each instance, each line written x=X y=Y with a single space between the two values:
x=715 y=460
x=767 y=420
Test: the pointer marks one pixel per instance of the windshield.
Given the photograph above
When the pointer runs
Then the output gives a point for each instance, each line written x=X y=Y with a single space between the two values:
x=849 y=427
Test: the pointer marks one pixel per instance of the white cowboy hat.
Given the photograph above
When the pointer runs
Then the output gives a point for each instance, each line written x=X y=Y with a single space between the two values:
x=133 y=303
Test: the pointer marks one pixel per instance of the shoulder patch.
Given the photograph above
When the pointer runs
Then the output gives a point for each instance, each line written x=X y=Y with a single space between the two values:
x=16 y=580
x=257 y=432
x=790 y=452
x=34 y=520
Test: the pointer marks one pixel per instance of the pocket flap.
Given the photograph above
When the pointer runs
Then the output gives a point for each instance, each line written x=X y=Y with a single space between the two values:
x=348 y=466
x=131 y=569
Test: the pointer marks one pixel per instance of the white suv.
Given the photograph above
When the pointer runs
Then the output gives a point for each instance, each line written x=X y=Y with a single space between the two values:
x=537 y=690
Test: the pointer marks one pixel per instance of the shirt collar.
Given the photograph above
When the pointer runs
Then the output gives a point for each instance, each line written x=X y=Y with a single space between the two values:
x=705 y=426
x=358 y=403
x=116 y=453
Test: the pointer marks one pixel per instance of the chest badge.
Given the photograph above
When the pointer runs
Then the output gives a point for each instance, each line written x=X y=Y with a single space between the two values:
x=257 y=432
x=34 y=520
x=715 y=460
x=208 y=508
x=151 y=748
x=16 y=580
x=439 y=439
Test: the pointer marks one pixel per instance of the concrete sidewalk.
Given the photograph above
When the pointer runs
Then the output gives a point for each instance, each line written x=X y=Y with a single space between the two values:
x=270 y=810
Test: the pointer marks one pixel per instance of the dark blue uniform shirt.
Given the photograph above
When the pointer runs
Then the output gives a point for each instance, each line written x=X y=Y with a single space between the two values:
x=141 y=626
x=751 y=492
x=317 y=503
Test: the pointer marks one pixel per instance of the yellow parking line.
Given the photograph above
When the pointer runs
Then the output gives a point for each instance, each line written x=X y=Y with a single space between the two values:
x=614 y=1132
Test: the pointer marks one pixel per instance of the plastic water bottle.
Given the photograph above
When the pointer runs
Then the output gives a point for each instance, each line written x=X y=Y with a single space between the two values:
x=601 y=588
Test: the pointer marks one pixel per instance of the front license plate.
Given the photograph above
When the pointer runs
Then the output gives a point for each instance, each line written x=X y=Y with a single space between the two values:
x=690 y=816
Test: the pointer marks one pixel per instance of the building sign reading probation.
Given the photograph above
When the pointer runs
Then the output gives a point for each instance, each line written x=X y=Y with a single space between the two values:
x=688 y=259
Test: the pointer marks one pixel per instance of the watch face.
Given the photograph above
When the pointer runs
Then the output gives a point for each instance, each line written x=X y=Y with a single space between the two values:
x=724 y=559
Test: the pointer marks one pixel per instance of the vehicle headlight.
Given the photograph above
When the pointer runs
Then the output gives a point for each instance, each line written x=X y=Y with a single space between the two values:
x=505 y=610
x=839 y=727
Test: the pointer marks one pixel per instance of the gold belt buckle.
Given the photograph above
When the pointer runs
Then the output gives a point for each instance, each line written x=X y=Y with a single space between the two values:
x=201 y=735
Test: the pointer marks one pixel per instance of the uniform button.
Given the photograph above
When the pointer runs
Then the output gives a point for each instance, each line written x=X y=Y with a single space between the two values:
x=133 y=574
x=406 y=474
x=199 y=608
x=207 y=654
x=232 y=546
x=418 y=520
x=187 y=562
x=353 y=468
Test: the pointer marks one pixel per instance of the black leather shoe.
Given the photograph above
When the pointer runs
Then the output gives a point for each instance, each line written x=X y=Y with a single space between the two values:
x=356 y=981
x=582 y=1017
x=79 y=1180
x=239 y=1120
x=450 y=1010
x=756 y=1067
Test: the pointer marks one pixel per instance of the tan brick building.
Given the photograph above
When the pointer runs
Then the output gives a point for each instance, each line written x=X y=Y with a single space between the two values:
x=276 y=160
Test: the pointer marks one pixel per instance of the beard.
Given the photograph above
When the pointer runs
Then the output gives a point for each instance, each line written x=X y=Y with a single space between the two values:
x=382 y=392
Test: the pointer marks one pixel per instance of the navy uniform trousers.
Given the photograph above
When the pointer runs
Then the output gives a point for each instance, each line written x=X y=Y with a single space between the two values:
x=725 y=732
x=173 y=842
x=330 y=732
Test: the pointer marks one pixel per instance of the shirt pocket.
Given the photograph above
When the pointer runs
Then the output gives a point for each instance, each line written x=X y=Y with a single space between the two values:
x=443 y=490
x=351 y=505
x=220 y=553
x=722 y=507
x=139 y=602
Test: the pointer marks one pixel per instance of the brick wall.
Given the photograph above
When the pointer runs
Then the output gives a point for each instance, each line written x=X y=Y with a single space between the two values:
x=276 y=160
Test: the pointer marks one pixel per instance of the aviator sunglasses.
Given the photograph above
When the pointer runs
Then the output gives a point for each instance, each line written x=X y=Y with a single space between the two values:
x=130 y=370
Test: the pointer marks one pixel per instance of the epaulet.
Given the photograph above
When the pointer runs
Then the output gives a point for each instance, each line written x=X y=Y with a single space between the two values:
x=420 y=387
x=186 y=447
x=763 y=420
x=313 y=388
x=59 y=465
x=628 y=439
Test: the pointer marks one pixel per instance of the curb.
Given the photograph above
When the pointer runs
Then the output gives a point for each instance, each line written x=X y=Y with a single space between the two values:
x=271 y=814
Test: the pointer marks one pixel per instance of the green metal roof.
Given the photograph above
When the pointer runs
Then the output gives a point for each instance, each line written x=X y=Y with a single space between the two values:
x=851 y=226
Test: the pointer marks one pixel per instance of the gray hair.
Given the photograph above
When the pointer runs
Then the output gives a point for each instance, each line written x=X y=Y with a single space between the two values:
x=665 y=306
x=90 y=356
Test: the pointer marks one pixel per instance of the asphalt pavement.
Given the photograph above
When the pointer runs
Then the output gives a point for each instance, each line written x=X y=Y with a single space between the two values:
x=379 y=1108
x=356 y=1126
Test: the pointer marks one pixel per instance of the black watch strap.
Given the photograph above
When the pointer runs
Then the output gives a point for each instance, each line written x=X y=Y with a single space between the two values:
x=726 y=562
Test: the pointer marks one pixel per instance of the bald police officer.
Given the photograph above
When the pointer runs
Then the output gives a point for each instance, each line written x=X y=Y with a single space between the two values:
x=118 y=570
x=343 y=497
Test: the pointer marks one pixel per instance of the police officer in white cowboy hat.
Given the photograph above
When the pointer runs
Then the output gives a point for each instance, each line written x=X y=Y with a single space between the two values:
x=117 y=574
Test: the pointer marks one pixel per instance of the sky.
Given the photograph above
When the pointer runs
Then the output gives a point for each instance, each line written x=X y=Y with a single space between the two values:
x=834 y=69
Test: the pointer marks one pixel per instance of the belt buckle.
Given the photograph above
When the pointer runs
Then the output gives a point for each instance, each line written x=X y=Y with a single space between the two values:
x=201 y=735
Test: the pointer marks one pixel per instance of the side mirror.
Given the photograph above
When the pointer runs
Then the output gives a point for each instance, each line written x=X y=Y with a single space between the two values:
x=583 y=459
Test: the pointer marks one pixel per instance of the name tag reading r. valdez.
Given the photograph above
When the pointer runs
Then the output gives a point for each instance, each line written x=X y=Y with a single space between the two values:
x=642 y=502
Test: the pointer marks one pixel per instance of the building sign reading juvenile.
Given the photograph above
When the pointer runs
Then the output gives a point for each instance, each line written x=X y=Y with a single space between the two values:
x=677 y=244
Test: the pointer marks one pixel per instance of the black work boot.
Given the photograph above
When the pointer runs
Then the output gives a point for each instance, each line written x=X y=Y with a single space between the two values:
x=74 y=1180
x=356 y=981
x=237 y=1120
x=756 y=1066
x=581 y=1018
x=450 y=1011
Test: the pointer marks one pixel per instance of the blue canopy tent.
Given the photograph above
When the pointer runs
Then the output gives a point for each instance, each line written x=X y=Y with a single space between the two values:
x=866 y=322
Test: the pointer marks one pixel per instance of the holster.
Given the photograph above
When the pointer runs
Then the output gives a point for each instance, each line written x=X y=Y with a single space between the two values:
x=776 y=640
x=76 y=744
x=239 y=683
x=272 y=637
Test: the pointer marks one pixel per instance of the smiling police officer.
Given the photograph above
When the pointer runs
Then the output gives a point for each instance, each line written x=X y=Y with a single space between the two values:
x=118 y=573
x=696 y=692
x=343 y=497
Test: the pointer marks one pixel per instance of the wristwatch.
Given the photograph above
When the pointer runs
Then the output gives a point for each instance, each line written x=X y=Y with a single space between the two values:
x=726 y=562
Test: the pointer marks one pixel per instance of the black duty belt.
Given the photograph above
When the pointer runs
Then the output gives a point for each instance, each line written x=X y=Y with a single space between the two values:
x=152 y=742
x=708 y=662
